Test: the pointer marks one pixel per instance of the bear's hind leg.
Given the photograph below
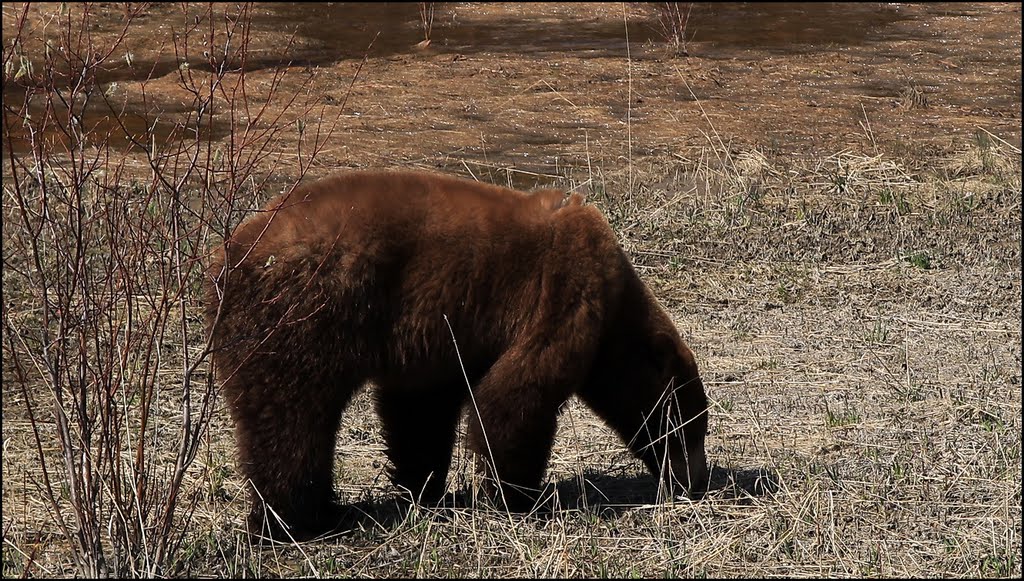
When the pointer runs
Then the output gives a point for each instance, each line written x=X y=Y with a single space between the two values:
x=419 y=428
x=286 y=434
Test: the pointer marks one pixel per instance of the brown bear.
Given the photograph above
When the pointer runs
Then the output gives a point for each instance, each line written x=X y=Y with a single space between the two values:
x=445 y=294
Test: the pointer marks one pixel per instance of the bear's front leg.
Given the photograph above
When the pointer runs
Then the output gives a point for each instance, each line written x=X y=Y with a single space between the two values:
x=512 y=420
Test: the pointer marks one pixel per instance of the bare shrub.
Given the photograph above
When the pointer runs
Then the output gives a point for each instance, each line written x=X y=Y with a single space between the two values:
x=104 y=251
x=426 y=19
x=672 y=20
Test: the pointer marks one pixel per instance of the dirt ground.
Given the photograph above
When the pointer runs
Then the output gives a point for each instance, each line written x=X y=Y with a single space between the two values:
x=826 y=196
x=552 y=85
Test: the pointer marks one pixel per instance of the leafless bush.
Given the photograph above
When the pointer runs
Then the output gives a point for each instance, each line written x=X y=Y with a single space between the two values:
x=426 y=19
x=104 y=252
x=672 y=20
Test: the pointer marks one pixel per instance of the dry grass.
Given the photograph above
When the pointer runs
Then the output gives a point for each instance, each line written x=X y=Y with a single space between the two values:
x=866 y=415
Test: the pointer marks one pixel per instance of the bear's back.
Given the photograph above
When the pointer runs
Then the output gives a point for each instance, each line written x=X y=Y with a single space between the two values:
x=384 y=254
x=351 y=207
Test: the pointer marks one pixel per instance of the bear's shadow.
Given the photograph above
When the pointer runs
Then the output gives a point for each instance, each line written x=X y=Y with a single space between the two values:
x=607 y=496
x=610 y=496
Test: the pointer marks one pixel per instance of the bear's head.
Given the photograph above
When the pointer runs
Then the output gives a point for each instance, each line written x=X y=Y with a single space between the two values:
x=673 y=405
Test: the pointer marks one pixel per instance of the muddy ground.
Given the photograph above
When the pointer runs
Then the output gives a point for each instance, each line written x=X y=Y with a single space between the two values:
x=826 y=196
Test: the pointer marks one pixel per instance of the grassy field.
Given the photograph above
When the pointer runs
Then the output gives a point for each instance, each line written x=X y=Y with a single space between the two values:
x=854 y=305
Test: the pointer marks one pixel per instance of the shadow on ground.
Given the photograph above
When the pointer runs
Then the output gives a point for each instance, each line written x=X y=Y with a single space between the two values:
x=604 y=493
x=592 y=492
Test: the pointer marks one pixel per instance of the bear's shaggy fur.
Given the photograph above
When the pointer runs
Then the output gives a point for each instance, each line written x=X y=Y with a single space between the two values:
x=424 y=285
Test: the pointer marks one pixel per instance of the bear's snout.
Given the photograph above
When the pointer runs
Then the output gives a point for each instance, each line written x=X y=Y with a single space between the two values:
x=690 y=470
x=697 y=472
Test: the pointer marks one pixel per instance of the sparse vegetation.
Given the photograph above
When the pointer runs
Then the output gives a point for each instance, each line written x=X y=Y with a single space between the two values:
x=857 y=313
x=672 y=21
x=426 y=20
x=919 y=259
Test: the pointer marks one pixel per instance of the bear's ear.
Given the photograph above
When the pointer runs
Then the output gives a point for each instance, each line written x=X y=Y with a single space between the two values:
x=554 y=199
x=574 y=199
